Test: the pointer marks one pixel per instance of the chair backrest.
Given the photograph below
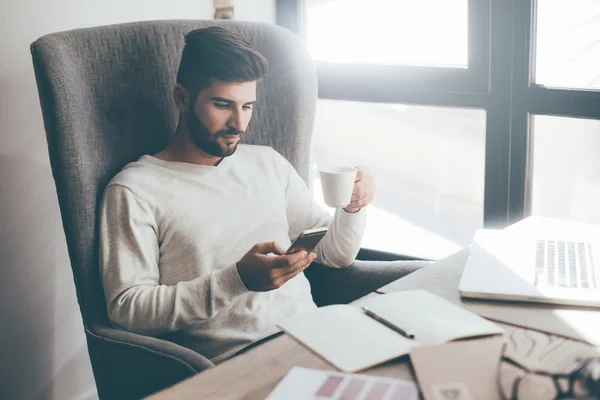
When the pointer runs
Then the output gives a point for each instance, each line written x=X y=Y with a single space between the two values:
x=106 y=97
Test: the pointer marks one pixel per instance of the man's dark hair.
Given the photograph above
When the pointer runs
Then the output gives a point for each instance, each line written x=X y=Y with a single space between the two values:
x=214 y=52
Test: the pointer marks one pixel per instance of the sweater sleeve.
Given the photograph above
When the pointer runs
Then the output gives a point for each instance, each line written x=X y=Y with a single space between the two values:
x=129 y=268
x=342 y=242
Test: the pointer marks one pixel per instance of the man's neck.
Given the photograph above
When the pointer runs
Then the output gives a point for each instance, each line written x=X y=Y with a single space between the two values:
x=182 y=149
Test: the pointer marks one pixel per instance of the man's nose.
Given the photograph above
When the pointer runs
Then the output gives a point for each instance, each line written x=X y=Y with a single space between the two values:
x=236 y=121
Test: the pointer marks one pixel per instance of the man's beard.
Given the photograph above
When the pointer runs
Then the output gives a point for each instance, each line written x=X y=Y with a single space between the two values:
x=207 y=141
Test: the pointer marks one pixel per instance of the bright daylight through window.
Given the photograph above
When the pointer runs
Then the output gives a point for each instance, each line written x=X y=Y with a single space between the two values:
x=568 y=44
x=388 y=32
x=565 y=155
x=428 y=162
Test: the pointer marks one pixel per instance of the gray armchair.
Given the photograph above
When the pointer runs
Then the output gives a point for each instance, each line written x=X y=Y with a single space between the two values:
x=105 y=94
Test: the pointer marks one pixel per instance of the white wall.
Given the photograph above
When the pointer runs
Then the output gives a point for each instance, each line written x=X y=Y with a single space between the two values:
x=43 y=354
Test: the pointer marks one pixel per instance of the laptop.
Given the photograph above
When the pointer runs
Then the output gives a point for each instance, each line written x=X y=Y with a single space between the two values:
x=542 y=260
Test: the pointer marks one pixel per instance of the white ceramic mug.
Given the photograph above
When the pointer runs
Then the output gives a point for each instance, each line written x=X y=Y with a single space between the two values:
x=337 y=183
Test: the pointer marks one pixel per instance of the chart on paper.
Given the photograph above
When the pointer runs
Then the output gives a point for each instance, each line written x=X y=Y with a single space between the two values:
x=308 y=384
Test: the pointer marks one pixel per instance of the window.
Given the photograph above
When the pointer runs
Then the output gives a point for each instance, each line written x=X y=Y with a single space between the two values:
x=568 y=43
x=491 y=102
x=428 y=163
x=357 y=31
x=566 y=168
x=401 y=42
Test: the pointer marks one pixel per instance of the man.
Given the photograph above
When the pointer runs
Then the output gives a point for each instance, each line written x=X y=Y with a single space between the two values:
x=192 y=238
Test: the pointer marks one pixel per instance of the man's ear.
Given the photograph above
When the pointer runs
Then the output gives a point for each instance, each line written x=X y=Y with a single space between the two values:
x=181 y=97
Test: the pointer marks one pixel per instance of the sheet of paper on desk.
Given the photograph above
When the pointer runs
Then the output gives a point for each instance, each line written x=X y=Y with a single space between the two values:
x=351 y=341
x=312 y=384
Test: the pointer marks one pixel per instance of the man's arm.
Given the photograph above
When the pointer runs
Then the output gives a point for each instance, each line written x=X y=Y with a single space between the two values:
x=340 y=246
x=129 y=256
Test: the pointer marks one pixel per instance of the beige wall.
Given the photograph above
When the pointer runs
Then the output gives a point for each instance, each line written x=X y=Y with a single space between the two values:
x=42 y=345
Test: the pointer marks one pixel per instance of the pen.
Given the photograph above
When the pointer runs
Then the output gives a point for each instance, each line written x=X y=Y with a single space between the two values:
x=387 y=323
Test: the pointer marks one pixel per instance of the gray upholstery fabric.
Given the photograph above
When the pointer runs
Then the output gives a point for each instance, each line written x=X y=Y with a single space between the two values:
x=106 y=99
x=340 y=286
x=131 y=366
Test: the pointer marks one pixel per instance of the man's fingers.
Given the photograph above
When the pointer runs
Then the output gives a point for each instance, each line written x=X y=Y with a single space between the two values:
x=366 y=181
x=268 y=247
x=289 y=267
x=278 y=250
x=366 y=186
x=361 y=172
x=363 y=191
x=298 y=267
x=360 y=203
x=287 y=260
x=292 y=273
x=297 y=257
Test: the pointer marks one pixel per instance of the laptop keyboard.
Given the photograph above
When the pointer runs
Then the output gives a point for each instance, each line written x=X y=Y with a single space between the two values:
x=564 y=264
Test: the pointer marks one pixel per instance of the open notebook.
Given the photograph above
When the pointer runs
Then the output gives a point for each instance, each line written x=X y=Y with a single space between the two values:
x=352 y=341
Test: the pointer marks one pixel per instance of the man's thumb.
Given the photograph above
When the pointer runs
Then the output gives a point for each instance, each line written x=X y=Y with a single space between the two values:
x=269 y=247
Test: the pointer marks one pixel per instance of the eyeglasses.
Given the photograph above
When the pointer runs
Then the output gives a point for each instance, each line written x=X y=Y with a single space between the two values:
x=518 y=382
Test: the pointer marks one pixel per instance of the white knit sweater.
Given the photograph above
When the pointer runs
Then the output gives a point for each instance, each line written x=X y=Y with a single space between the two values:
x=171 y=234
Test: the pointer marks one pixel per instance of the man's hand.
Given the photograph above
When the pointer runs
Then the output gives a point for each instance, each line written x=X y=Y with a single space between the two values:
x=261 y=271
x=363 y=192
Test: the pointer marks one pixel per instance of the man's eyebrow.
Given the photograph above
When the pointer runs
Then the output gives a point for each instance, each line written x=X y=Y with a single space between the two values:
x=224 y=100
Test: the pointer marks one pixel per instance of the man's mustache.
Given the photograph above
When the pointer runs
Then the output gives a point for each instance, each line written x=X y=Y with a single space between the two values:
x=228 y=132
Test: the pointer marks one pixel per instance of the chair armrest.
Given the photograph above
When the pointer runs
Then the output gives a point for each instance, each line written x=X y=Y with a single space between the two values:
x=344 y=285
x=366 y=254
x=131 y=366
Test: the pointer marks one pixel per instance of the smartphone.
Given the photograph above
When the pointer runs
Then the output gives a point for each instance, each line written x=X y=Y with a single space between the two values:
x=307 y=240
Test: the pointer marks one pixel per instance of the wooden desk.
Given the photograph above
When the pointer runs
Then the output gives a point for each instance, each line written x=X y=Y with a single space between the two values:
x=254 y=374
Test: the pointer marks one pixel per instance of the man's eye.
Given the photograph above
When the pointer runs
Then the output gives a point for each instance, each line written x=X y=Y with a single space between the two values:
x=247 y=107
x=221 y=105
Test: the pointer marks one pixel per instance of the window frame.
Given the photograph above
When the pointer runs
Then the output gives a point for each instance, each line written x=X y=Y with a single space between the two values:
x=531 y=99
x=499 y=80
x=473 y=79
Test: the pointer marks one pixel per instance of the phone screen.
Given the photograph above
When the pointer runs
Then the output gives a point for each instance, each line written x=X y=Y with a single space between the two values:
x=306 y=242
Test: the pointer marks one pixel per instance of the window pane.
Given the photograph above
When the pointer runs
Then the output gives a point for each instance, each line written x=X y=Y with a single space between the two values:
x=566 y=168
x=389 y=32
x=568 y=43
x=428 y=164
